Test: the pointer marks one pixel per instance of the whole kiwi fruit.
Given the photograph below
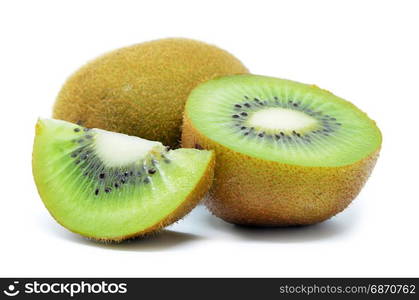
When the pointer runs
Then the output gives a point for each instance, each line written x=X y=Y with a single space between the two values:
x=141 y=90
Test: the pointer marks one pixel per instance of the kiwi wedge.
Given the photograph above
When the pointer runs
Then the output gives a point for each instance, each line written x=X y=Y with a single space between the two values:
x=287 y=153
x=141 y=90
x=110 y=186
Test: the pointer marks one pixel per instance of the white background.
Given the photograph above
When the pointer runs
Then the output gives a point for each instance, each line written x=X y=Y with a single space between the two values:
x=366 y=52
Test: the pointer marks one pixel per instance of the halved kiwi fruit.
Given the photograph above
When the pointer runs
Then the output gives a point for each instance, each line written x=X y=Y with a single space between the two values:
x=287 y=153
x=111 y=186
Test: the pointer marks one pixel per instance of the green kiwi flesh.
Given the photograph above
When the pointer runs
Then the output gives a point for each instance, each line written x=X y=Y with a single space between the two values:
x=288 y=153
x=283 y=121
x=110 y=186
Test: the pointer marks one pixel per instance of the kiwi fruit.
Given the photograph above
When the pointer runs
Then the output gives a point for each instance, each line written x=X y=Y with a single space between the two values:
x=141 y=90
x=110 y=186
x=287 y=153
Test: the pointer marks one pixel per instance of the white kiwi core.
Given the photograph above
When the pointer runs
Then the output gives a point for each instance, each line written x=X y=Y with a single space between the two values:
x=283 y=119
x=117 y=149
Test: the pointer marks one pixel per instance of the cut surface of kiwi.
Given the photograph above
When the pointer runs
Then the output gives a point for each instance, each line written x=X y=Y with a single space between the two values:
x=111 y=186
x=281 y=120
x=288 y=153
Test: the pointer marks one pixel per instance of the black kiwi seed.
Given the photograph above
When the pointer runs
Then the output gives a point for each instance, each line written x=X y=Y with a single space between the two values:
x=107 y=190
x=77 y=162
x=116 y=185
x=261 y=134
x=281 y=133
x=247 y=104
x=73 y=155
x=238 y=106
x=244 y=114
x=295 y=104
x=277 y=136
x=235 y=116
x=246 y=97
x=246 y=133
x=123 y=181
x=102 y=175
x=97 y=192
x=243 y=127
x=299 y=135
x=167 y=161
x=256 y=99
x=76 y=129
x=276 y=98
x=151 y=171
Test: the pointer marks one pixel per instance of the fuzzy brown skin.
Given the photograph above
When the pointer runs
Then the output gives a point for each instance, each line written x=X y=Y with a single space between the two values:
x=252 y=191
x=141 y=90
